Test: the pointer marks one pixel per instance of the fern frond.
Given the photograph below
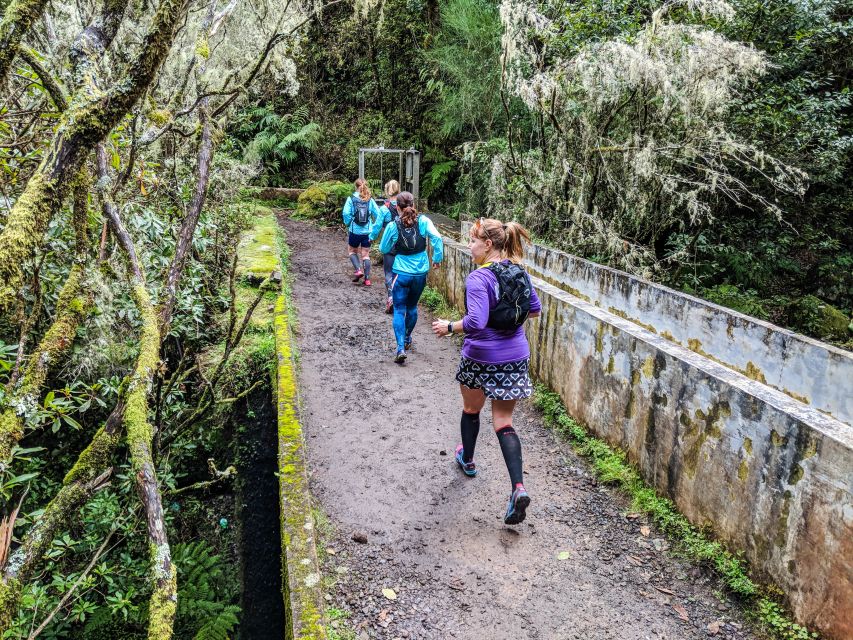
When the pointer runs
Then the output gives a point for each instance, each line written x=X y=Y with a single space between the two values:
x=219 y=627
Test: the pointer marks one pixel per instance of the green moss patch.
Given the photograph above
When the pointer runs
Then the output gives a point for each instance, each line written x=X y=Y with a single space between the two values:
x=300 y=566
x=258 y=252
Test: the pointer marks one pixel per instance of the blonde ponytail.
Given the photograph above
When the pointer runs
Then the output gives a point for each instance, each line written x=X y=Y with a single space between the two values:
x=508 y=238
x=392 y=188
x=513 y=249
x=362 y=188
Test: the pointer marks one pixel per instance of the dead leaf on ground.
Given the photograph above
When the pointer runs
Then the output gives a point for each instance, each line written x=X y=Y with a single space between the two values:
x=633 y=516
x=390 y=594
x=645 y=531
x=383 y=614
x=681 y=611
x=635 y=560
x=456 y=584
x=665 y=590
x=714 y=627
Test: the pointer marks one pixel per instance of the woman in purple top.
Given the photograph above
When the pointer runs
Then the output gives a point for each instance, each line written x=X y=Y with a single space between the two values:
x=494 y=362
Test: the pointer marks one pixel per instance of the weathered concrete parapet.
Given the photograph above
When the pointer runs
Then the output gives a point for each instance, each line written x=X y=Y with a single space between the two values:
x=808 y=370
x=769 y=474
x=303 y=587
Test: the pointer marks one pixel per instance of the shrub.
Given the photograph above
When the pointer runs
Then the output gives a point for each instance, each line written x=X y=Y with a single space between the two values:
x=322 y=200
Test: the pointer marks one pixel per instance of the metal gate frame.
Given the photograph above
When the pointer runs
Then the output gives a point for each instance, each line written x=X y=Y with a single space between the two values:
x=409 y=168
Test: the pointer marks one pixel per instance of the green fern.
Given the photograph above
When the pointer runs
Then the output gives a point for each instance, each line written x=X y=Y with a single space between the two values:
x=219 y=627
x=278 y=140
x=201 y=611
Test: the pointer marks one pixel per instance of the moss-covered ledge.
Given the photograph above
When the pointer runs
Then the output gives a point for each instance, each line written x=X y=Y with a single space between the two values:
x=301 y=572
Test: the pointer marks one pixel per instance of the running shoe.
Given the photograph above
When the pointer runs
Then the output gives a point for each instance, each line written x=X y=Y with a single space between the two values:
x=367 y=282
x=400 y=358
x=517 y=507
x=468 y=468
x=389 y=305
x=407 y=345
x=358 y=275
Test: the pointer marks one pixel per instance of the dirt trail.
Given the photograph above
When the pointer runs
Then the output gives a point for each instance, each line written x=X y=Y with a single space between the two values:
x=380 y=443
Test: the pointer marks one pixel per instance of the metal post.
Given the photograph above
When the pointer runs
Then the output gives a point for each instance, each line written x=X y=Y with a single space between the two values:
x=361 y=163
x=416 y=175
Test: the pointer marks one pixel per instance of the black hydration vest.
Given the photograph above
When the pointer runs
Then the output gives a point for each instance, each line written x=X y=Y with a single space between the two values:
x=361 y=211
x=410 y=240
x=514 y=290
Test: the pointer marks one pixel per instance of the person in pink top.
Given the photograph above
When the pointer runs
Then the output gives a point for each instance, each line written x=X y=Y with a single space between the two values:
x=495 y=357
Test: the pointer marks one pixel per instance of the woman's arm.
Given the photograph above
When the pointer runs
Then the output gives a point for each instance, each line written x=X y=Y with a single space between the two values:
x=389 y=238
x=437 y=242
x=375 y=211
x=347 y=211
x=380 y=222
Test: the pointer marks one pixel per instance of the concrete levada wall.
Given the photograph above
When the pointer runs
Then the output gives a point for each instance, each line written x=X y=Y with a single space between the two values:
x=808 y=370
x=771 y=476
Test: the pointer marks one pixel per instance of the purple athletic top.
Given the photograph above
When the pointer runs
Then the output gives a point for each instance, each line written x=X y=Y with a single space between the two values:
x=482 y=344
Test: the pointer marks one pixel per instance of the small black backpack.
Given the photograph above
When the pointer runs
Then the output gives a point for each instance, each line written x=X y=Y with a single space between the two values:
x=361 y=211
x=410 y=240
x=392 y=208
x=514 y=291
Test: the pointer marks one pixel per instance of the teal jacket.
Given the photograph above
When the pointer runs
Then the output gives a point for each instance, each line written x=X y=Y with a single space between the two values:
x=349 y=214
x=384 y=218
x=418 y=263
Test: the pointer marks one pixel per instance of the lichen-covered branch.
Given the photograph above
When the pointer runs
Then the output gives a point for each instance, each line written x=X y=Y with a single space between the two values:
x=110 y=212
x=17 y=20
x=50 y=84
x=93 y=41
x=140 y=433
x=72 y=308
x=140 y=436
x=185 y=236
x=83 y=125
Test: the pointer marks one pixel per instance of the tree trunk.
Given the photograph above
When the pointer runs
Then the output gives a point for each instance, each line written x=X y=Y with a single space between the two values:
x=72 y=308
x=82 y=126
x=185 y=236
x=17 y=20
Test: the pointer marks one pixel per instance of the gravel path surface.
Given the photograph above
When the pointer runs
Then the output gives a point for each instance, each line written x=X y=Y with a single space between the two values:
x=380 y=446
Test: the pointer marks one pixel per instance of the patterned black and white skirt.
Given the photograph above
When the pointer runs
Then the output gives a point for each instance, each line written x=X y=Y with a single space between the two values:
x=507 y=381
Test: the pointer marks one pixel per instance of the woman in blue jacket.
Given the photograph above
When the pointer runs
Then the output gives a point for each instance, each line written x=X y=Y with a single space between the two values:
x=407 y=237
x=387 y=213
x=360 y=212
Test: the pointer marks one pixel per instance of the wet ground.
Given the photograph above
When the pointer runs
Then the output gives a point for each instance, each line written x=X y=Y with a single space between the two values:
x=380 y=446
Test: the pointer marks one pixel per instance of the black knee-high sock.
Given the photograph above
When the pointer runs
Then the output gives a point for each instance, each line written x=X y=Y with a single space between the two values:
x=366 y=263
x=511 y=448
x=470 y=426
x=355 y=263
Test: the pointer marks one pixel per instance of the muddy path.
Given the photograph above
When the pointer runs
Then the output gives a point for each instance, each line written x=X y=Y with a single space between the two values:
x=380 y=442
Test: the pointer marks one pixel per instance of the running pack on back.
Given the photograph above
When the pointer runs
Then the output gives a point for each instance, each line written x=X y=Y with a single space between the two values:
x=360 y=211
x=410 y=240
x=513 y=304
x=392 y=209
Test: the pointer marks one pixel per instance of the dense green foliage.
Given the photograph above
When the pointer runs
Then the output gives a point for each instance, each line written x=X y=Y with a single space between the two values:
x=744 y=229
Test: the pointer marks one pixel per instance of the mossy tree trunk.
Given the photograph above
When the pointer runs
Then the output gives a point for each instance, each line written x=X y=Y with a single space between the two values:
x=84 y=124
x=72 y=308
x=17 y=20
